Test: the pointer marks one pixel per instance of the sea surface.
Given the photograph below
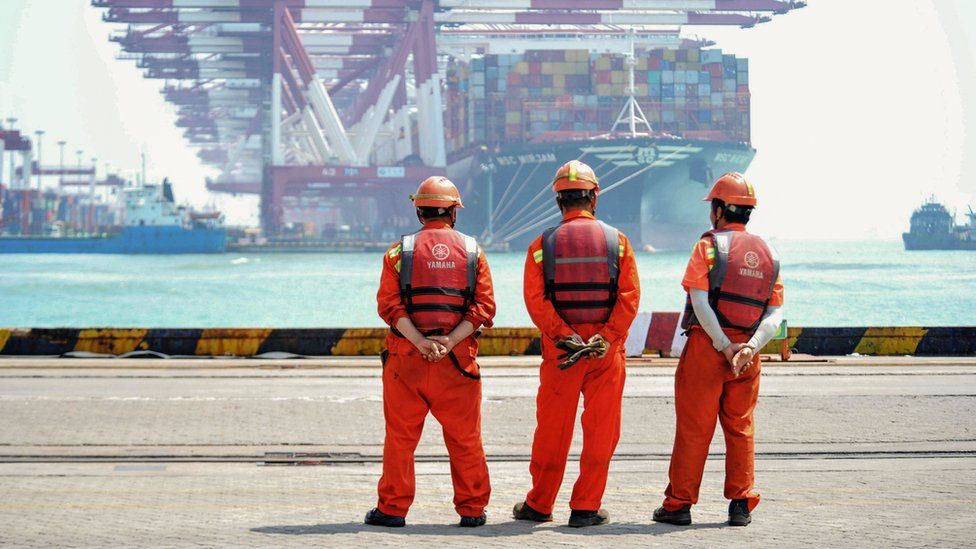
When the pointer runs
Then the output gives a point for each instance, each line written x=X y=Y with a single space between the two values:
x=827 y=284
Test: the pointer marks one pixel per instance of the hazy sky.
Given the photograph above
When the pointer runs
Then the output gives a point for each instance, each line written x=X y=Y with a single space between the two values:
x=860 y=108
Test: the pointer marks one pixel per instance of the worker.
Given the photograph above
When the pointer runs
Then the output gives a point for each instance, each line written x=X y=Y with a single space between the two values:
x=733 y=309
x=581 y=290
x=435 y=294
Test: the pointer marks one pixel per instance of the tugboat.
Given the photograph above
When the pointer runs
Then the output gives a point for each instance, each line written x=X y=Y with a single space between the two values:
x=154 y=224
x=933 y=228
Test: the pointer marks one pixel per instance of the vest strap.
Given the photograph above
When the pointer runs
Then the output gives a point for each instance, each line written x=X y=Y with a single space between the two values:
x=549 y=261
x=436 y=307
x=581 y=286
x=600 y=304
x=437 y=290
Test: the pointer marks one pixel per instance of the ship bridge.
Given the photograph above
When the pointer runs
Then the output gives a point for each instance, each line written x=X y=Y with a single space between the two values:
x=302 y=99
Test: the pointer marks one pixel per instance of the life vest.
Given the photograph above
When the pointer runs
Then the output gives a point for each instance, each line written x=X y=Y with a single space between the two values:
x=581 y=265
x=438 y=276
x=740 y=282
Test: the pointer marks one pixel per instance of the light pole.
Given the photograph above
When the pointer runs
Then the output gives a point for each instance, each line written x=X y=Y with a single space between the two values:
x=91 y=195
x=39 y=134
x=61 y=145
x=13 y=159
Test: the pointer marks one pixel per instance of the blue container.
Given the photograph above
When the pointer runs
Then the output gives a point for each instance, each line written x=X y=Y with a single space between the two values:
x=711 y=56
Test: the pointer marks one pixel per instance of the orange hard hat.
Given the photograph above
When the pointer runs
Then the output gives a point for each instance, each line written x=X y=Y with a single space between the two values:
x=437 y=192
x=575 y=175
x=732 y=188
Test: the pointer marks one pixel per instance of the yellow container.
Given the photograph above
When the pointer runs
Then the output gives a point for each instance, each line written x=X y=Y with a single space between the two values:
x=513 y=118
x=617 y=77
x=559 y=81
x=603 y=89
x=603 y=64
x=522 y=67
x=693 y=56
x=670 y=55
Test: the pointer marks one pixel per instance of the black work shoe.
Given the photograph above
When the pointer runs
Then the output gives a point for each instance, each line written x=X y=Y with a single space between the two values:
x=522 y=511
x=739 y=514
x=681 y=517
x=379 y=518
x=579 y=519
x=472 y=522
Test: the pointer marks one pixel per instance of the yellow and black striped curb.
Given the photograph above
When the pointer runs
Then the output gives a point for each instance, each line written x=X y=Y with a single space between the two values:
x=234 y=341
x=890 y=341
x=887 y=341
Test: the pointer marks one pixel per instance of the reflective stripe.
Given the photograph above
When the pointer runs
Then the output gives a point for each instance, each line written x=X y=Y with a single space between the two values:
x=537 y=256
x=471 y=247
x=399 y=263
x=434 y=197
x=395 y=251
x=406 y=247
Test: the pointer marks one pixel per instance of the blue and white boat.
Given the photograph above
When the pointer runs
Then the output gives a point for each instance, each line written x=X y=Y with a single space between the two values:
x=154 y=224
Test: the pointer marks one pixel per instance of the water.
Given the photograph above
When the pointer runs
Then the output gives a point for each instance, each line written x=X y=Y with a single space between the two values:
x=827 y=284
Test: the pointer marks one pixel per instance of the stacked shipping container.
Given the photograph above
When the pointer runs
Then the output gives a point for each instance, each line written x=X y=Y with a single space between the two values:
x=687 y=92
x=30 y=212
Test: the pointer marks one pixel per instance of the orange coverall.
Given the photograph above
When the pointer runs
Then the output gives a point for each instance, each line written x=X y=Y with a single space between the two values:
x=600 y=380
x=413 y=386
x=705 y=389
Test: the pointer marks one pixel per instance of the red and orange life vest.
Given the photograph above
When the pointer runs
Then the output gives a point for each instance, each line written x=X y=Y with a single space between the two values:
x=438 y=275
x=740 y=282
x=581 y=265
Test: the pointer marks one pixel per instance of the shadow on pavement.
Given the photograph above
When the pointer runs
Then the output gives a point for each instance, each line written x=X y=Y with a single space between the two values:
x=488 y=530
x=503 y=529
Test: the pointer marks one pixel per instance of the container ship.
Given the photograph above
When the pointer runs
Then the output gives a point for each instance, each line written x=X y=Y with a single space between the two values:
x=513 y=119
x=148 y=222
x=934 y=228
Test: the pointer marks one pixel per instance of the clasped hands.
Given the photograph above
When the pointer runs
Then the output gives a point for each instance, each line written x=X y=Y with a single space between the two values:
x=740 y=356
x=575 y=349
x=434 y=348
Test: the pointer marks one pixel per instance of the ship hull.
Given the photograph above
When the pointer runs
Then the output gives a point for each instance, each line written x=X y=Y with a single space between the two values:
x=132 y=240
x=923 y=241
x=651 y=187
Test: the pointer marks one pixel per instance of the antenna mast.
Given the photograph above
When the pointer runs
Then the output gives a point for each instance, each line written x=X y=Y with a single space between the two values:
x=631 y=114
